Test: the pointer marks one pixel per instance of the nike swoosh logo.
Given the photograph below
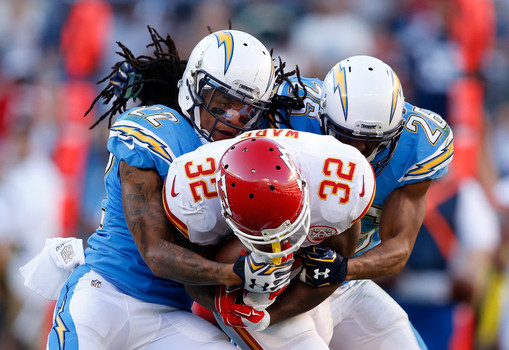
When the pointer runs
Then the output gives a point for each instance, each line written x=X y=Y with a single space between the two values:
x=363 y=187
x=252 y=312
x=173 y=193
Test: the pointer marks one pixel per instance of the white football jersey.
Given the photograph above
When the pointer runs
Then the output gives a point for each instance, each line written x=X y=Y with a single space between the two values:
x=340 y=180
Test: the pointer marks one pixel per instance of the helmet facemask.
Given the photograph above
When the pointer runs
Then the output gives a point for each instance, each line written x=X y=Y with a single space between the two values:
x=386 y=140
x=233 y=106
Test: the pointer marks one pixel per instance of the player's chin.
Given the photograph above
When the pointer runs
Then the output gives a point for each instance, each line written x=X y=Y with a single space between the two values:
x=224 y=134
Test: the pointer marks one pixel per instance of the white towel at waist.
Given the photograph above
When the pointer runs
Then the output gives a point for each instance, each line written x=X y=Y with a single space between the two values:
x=47 y=272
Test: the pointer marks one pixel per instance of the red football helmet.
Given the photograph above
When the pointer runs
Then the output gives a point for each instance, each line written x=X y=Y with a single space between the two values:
x=263 y=196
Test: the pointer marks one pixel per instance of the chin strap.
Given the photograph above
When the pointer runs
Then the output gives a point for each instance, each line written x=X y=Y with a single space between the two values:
x=276 y=248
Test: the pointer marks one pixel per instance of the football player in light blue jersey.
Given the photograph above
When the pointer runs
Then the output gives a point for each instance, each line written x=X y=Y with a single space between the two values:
x=129 y=294
x=361 y=103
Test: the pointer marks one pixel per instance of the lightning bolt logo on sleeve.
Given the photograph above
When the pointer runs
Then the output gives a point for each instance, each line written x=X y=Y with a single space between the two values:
x=132 y=133
x=441 y=158
x=226 y=39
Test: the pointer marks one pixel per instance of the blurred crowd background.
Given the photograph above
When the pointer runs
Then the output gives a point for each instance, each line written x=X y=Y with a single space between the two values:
x=452 y=57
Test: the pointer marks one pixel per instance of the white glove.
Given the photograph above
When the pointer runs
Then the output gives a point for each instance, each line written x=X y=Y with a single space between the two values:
x=261 y=277
x=258 y=301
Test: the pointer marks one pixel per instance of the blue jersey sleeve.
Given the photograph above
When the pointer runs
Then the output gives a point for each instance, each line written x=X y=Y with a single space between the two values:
x=151 y=137
x=428 y=142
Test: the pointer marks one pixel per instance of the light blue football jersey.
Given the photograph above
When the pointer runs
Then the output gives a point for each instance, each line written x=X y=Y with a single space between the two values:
x=304 y=119
x=424 y=152
x=144 y=137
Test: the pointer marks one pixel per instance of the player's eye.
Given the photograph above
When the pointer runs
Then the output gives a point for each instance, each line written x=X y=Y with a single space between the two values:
x=217 y=110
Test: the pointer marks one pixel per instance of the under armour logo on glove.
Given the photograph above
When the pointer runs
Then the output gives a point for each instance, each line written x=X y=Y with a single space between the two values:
x=261 y=287
x=324 y=274
x=321 y=266
x=261 y=277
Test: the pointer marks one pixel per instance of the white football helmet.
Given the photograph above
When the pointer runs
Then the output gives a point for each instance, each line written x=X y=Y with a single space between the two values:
x=228 y=63
x=362 y=99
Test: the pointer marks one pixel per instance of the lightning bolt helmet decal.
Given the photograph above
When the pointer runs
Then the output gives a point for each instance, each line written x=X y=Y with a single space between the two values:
x=339 y=76
x=226 y=39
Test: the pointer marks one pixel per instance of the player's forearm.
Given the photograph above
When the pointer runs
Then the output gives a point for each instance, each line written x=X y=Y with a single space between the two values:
x=183 y=265
x=168 y=258
x=401 y=219
x=156 y=238
x=387 y=258
x=296 y=299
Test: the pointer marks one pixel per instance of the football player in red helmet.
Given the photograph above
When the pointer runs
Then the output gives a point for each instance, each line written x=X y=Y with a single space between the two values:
x=264 y=197
x=282 y=193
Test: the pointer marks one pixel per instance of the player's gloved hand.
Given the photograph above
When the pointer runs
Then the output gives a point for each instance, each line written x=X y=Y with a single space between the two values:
x=260 y=301
x=124 y=82
x=224 y=299
x=239 y=315
x=261 y=277
x=321 y=266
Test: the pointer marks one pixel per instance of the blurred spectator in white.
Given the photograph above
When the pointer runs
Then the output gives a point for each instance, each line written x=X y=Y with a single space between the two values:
x=30 y=204
x=330 y=32
x=21 y=22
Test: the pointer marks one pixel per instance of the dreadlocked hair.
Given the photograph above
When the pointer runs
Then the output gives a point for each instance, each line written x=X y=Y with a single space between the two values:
x=159 y=75
x=294 y=100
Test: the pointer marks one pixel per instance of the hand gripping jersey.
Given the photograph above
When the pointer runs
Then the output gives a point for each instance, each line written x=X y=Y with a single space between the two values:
x=424 y=152
x=340 y=182
x=144 y=137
